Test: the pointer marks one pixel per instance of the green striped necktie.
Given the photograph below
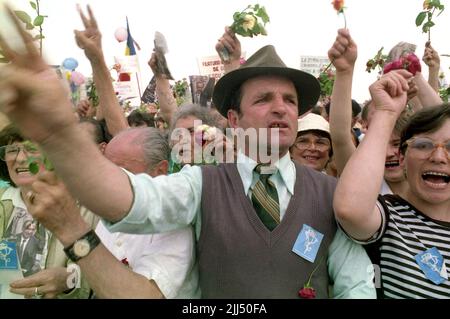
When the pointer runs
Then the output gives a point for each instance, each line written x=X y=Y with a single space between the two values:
x=265 y=199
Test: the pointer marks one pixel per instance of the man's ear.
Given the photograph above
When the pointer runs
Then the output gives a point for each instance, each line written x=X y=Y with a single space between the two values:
x=233 y=118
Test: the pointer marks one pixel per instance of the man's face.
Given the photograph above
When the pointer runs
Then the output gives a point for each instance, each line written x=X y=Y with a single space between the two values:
x=29 y=231
x=393 y=170
x=269 y=102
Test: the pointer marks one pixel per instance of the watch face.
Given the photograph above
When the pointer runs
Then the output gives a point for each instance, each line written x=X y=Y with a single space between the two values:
x=81 y=248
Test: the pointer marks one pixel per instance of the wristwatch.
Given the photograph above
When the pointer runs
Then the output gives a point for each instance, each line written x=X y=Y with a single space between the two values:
x=82 y=246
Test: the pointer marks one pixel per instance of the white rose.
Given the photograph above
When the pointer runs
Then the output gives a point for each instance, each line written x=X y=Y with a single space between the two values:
x=249 y=22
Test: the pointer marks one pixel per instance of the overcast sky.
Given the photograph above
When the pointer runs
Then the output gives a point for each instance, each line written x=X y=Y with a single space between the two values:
x=297 y=27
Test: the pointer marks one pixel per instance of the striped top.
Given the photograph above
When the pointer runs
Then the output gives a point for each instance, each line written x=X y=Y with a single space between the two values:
x=405 y=233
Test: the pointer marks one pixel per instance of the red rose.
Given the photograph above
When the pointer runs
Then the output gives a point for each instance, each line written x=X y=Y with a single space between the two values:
x=338 y=5
x=394 y=65
x=410 y=62
x=307 y=293
x=125 y=262
x=413 y=63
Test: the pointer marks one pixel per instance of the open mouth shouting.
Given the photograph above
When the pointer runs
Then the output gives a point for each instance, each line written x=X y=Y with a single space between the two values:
x=435 y=179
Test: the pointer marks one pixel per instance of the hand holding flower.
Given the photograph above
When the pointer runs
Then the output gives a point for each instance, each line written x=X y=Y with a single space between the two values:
x=429 y=8
x=249 y=22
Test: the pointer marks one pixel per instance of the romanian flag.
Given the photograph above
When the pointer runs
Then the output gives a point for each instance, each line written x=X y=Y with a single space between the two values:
x=130 y=50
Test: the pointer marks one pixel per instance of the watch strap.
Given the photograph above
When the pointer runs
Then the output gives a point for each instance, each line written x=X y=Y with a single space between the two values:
x=93 y=240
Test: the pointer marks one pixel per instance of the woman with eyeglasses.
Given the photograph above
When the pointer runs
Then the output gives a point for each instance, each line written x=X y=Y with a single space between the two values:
x=40 y=255
x=312 y=147
x=409 y=234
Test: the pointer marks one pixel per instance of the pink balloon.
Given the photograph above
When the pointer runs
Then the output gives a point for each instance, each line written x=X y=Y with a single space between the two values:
x=121 y=34
x=78 y=78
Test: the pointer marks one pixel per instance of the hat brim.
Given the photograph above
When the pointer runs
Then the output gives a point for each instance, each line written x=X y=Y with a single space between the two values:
x=307 y=86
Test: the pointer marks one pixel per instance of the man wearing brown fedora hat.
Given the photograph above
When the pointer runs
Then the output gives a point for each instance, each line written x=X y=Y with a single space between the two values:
x=262 y=232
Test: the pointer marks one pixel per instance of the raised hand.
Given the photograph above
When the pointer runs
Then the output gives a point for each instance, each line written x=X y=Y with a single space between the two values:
x=89 y=40
x=431 y=57
x=233 y=45
x=389 y=93
x=152 y=63
x=344 y=52
x=31 y=94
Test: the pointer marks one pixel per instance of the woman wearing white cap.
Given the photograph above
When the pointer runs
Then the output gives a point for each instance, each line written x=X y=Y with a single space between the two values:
x=312 y=147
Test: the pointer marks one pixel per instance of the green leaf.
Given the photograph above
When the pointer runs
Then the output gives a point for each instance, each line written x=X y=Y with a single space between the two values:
x=442 y=10
x=263 y=15
x=29 y=26
x=38 y=21
x=33 y=167
x=33 y=5
x=420 y=18
x=48 y=164
x=3 y=60
x=257 y=28
x=435 y=3
x=23 y=16
x=427 y=25
x=38 y=37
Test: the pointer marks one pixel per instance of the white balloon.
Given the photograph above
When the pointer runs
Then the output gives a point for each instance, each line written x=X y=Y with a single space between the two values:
x=121 y=34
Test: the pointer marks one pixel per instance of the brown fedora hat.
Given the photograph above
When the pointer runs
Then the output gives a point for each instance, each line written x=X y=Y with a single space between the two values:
x=266 y=62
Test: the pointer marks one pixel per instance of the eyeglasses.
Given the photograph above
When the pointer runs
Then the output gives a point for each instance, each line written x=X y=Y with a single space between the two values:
x=11 y=151
x=423 y=147
x=320 y=144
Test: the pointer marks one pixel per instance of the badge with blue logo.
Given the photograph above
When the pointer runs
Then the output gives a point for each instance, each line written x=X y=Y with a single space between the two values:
x=433 y=266
x=8 y=255
x=308 y=243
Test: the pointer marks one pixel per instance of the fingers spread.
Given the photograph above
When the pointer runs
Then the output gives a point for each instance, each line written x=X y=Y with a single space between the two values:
x=93 y=21
x=83 y=17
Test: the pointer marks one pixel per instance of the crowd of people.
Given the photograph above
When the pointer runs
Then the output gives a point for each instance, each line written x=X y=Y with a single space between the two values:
x=267 y=193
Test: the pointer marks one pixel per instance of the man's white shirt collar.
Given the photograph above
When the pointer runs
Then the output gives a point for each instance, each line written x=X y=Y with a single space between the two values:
x=284 y=166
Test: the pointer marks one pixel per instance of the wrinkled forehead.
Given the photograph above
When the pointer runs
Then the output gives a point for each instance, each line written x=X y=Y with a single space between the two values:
x=268 y=83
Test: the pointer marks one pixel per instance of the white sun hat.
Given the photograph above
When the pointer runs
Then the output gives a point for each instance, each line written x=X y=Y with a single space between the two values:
x=313 y=122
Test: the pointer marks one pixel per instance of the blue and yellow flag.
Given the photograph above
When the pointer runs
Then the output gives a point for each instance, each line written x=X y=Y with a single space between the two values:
x=130 y=50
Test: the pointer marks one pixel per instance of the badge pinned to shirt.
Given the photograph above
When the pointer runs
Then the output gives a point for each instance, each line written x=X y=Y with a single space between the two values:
x=433 y=266
x=8 y=255
x=308 y=243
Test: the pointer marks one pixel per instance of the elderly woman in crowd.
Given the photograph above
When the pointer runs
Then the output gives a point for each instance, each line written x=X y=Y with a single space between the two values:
x=312 y=147
x=41 y=256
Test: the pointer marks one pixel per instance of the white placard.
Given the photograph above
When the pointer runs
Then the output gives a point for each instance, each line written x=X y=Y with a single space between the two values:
x=313 y=64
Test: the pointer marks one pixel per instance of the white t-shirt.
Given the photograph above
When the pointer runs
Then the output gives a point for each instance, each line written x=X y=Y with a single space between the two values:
x=167 y=258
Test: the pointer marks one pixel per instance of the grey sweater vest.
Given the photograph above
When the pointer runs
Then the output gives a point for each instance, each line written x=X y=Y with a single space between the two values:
x=240 y=258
